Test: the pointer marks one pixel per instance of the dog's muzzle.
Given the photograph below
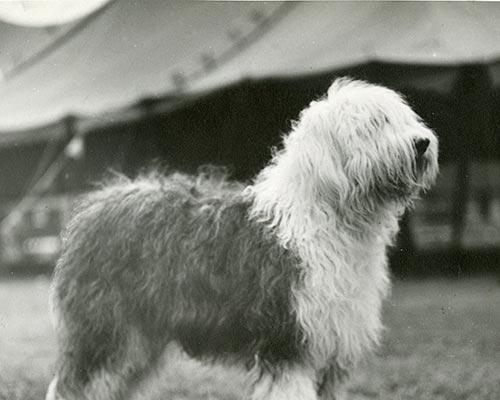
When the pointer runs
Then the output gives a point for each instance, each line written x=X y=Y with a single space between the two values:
x=421 y=146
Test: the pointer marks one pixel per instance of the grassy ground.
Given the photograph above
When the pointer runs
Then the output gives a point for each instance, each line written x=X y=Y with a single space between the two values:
x=442 y=342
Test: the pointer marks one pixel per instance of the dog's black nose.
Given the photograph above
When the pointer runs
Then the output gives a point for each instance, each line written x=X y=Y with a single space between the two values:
x=421 y=146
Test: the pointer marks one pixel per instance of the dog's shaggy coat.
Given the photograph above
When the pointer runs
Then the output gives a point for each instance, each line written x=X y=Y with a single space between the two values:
x=285 y=276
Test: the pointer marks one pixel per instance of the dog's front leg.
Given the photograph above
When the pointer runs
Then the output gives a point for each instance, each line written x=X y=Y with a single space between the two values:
x=330 y=383
x=288 y=383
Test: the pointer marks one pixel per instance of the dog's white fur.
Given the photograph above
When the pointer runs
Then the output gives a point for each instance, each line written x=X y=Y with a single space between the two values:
x=344 y=250
x=316 y=197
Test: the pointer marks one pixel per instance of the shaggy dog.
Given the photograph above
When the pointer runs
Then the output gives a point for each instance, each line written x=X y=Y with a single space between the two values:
x=285 y=276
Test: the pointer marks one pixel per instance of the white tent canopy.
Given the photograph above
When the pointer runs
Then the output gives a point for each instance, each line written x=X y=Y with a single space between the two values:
x=129 y=50
x=46 y=13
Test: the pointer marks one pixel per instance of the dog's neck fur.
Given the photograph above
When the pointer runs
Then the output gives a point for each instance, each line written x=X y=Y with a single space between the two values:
x=289 y=199
x=343 y=255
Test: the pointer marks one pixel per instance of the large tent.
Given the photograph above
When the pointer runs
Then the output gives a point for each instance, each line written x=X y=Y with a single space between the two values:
x=195 y=82
x=128 y=50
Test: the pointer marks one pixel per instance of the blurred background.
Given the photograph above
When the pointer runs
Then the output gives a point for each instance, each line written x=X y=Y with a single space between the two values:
x=124 y=85
x=92 y=86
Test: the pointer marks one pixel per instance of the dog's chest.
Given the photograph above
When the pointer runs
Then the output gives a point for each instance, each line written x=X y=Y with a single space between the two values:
x=339 y=301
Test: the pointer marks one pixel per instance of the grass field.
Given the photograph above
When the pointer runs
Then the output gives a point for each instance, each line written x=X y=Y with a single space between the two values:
x=442 y=342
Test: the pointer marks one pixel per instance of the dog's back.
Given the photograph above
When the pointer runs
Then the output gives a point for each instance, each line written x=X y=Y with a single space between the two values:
x=175 y=258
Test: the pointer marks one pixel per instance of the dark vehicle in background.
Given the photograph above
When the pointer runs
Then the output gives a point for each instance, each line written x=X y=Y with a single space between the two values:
x=30 y=238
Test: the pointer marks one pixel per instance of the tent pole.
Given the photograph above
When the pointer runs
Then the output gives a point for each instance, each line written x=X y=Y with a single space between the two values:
x=472 y=92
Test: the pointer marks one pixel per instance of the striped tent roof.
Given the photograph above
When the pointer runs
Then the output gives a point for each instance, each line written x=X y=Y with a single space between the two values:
x=128 y=50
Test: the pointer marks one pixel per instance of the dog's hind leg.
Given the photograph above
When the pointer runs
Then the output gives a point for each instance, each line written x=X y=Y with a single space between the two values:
x=290 y=383
x=110 y=380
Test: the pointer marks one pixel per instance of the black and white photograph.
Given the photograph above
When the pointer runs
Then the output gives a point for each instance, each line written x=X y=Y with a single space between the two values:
x=249 y=200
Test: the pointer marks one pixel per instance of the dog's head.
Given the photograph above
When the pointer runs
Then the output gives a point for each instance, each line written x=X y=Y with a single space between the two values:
x=370 y=143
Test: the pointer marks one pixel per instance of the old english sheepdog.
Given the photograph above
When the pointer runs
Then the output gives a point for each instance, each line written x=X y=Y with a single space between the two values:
x=285 y=276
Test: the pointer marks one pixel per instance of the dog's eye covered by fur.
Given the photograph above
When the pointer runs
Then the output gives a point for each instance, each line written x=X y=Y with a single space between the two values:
x=284 y=277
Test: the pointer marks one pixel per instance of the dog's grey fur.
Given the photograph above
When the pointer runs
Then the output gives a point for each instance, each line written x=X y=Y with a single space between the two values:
x=171 y=258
